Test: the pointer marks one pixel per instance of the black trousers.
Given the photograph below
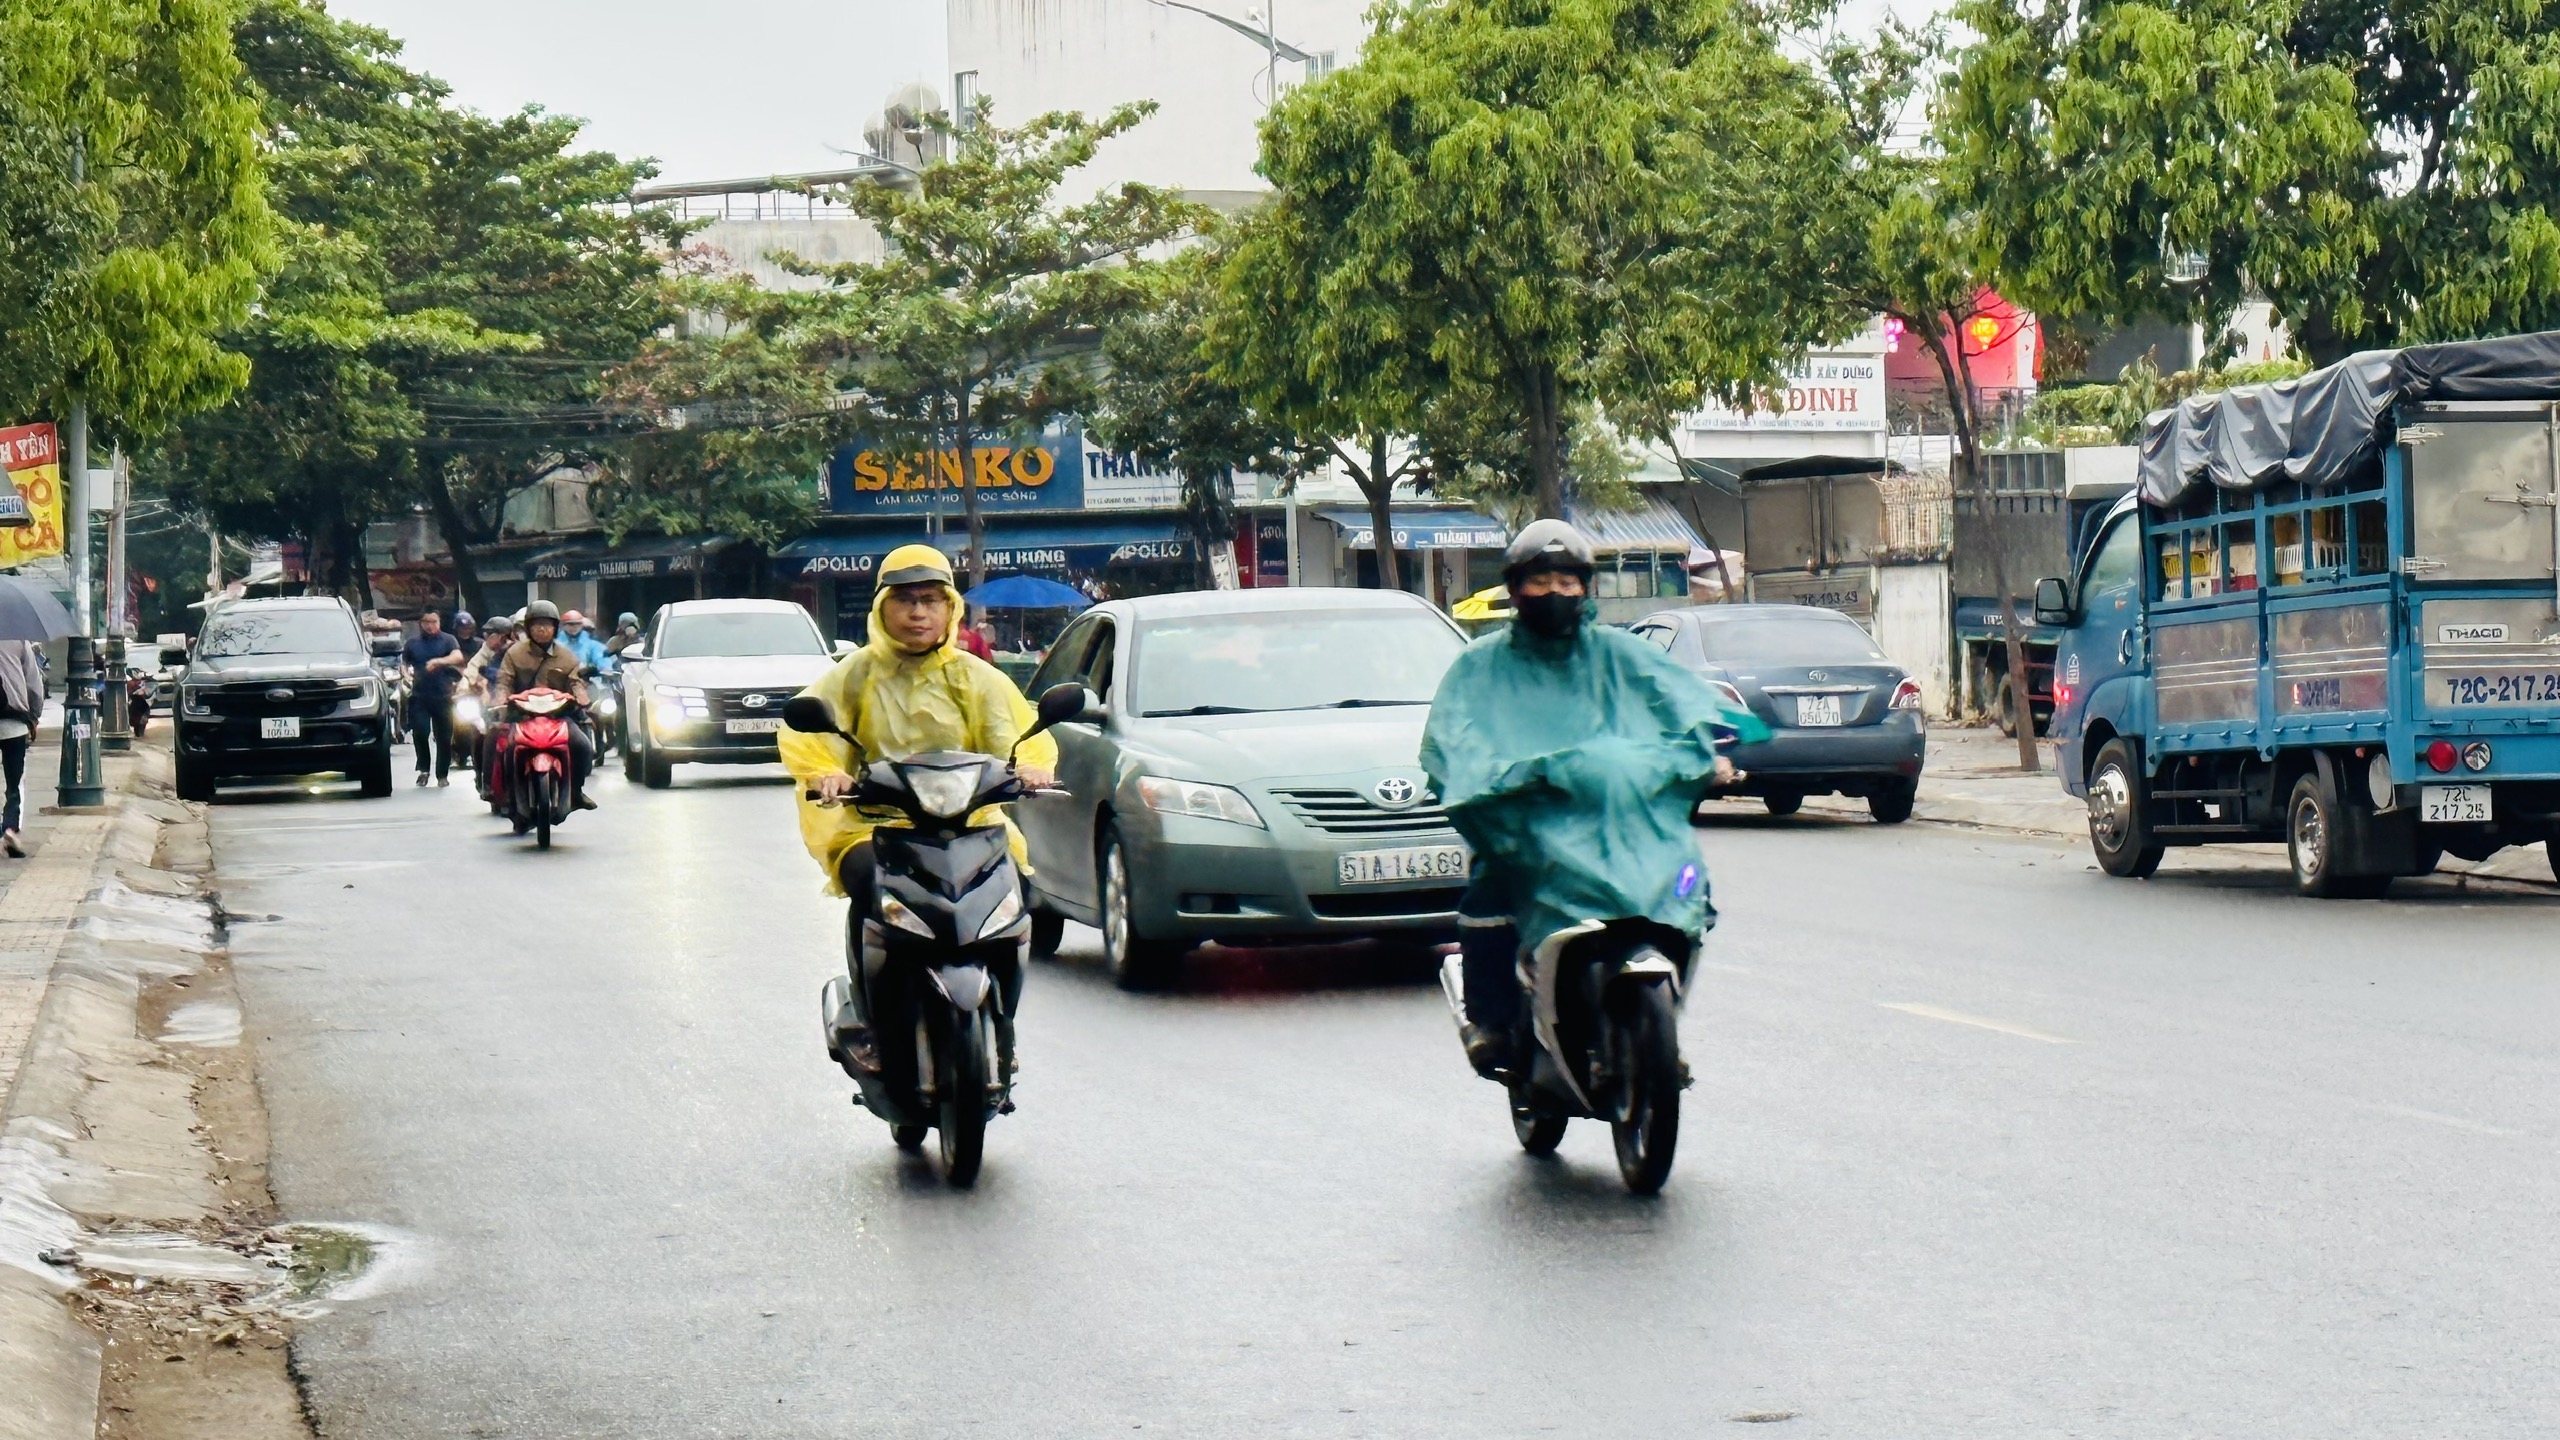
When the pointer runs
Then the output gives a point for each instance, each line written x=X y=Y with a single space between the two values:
x=1489 y=951
x=431 y=729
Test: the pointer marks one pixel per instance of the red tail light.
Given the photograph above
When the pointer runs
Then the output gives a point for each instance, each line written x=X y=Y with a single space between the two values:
x=1906 y=696
x=2442 y=757
x=1731 y=696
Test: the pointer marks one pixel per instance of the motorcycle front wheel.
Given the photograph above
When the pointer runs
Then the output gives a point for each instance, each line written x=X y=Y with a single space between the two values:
x=1647 y=1127
x=962 y=1078
x=1537 y=1127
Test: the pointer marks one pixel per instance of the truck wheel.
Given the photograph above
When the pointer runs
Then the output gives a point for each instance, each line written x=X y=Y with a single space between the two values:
x=2313 y=828
x=195 y=777
x=1782 y=802
x=2119 y=815
x=2004 y=707
x=374 y=775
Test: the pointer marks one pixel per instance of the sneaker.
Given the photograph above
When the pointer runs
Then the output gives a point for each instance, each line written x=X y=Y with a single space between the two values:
x=442 y=782
x=422 y=779
x=9 y=843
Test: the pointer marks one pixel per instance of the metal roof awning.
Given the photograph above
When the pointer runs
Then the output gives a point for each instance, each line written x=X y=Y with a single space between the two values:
x=1055 y=546
x=632 y=560
x=1417 y=529
x=1651 y=526
x=1731 y=474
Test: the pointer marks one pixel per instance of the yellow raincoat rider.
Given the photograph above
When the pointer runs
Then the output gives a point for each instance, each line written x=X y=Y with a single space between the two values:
x=909 y=690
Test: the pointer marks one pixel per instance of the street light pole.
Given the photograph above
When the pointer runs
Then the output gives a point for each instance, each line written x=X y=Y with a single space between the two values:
x=115 y=731
x=81 y=781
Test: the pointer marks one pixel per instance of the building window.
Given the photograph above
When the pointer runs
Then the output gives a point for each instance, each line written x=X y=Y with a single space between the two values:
x=964 y=98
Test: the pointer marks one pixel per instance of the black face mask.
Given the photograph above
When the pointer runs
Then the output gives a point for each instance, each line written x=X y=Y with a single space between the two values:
x=1550 y=616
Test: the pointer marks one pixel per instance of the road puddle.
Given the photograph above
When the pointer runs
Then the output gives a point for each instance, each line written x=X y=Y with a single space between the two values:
x=208 y=1024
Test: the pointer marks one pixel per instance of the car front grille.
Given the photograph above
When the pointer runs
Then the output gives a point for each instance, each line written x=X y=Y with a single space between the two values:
x=1348 y=812
x=727 y=704
x=309 y=698
x=1384 y=904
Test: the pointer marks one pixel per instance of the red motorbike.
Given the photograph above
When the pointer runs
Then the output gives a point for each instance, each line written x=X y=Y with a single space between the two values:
x=530 y=784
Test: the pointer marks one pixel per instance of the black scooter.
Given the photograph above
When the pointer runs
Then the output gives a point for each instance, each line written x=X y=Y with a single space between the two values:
x=942 y=950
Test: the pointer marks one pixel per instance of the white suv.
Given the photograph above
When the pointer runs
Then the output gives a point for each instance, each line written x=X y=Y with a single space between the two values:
x=706 y=685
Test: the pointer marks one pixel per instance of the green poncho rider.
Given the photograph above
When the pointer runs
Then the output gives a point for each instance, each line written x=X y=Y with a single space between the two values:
x=1570 y=755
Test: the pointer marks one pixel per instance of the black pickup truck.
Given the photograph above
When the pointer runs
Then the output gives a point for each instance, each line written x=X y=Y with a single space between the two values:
x=282 y=687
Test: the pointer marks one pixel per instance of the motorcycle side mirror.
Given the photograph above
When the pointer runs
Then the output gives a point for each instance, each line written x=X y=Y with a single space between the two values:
x=808 y=715
x=1062 y=703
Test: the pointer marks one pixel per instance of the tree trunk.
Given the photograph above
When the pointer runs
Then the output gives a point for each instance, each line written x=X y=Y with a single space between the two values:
x=458 y=541
x=1380 y=487
x=1546 y=442
x=1968 y=437
x=966 y=443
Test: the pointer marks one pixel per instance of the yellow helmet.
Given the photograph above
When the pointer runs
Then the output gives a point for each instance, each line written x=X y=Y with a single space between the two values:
x=915 y=565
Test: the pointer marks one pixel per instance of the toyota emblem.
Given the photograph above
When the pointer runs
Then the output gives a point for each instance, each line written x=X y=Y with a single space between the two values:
x=751 y=702
x=1396 y=792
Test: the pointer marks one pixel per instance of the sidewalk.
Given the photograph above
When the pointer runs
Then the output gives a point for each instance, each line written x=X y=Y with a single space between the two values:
x=39 y=893
x=1973 y=779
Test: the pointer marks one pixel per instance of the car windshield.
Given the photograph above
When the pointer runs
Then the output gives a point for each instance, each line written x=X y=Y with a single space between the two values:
x=297 y=631
x=1789 y=639
x=1291 y=660
x=740 y=632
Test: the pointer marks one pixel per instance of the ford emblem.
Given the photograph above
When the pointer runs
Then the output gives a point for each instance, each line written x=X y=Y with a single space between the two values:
x=1396 y=792
x=281 y=695
x=751 y=702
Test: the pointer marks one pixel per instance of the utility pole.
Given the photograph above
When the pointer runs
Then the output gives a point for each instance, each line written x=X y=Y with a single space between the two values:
x=115 y=731
x=82 y=781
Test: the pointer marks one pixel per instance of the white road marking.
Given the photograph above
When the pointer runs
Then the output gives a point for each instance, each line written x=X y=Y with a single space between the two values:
x=1958 y=1017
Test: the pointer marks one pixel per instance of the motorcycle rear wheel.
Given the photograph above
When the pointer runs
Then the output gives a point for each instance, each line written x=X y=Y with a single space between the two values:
x=962 y=1079
x=1648 y=1132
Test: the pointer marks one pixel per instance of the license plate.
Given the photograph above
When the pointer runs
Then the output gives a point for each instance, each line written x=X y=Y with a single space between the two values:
x=755 y=727
x=2511 y=687
x=1413 y=862
x=2453 y=804
x=280 y=727
x=1817 y=710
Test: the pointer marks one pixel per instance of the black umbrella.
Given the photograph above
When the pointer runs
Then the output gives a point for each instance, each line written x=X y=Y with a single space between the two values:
x=28 y=611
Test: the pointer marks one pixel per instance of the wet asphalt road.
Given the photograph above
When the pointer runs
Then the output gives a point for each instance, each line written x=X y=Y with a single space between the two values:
x=1982 y=1144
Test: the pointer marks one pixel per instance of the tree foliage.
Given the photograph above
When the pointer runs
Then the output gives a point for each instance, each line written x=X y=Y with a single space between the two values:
x=980 y=319
x=117 y=288
x=1516 y=208
x=2381 y=171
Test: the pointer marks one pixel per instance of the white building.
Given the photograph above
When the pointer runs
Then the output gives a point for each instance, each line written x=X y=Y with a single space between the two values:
x=1205 y=63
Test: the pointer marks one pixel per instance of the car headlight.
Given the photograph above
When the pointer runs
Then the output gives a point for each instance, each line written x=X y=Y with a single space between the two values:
x=1194 y=797
x=894 y=910
x=368 y=695
x=1005 y=916
x=678 y=692
x=945 y=793
x=193 y=698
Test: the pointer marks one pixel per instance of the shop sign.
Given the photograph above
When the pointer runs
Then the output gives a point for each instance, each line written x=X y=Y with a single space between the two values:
x=1118 y=480
x=1830 y=391
x=31 y=502
x=867 y=478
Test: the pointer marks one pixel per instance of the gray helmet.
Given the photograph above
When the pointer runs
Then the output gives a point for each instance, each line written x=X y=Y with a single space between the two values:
x=1547 y=545
x=627 y=621
x=545 y=610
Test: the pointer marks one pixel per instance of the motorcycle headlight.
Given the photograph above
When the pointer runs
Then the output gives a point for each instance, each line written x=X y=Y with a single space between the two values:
x=1192 y=797
x=945 y=793
x=894 y=910
x=1005 y=916
x=466 y=711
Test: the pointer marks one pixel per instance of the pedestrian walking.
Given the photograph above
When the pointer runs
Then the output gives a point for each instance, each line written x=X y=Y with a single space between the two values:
x=21 y=707
x=435 y=660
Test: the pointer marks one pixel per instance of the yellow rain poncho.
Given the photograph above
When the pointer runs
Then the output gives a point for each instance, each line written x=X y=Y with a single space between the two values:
x=896 y=705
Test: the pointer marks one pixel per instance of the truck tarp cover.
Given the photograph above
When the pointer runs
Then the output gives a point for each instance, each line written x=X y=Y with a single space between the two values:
x=1571 y=765
x=2317 y=427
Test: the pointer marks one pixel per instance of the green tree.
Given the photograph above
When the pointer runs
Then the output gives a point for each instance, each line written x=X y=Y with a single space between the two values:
x=116 y=287
x=1558 y=203
x=981 y=319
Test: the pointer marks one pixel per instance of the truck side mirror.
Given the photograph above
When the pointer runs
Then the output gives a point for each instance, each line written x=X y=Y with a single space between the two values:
x=2053 y=602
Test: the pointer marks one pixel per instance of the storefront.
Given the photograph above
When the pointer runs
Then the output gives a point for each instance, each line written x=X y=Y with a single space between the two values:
x=1643 y=559
x=1097 y=554
x=1441 y=553
x=638 y=575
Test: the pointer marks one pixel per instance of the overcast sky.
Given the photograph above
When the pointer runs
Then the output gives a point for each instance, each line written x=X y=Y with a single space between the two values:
x=714 y=91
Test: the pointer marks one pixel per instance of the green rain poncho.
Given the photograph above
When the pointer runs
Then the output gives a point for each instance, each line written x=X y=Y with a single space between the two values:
x=1572 y=766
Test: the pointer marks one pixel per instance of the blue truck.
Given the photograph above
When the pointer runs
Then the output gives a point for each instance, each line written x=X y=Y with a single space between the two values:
x=2327 y=615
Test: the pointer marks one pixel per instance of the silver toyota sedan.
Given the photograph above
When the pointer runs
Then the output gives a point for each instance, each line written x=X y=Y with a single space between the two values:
x=1249 y=778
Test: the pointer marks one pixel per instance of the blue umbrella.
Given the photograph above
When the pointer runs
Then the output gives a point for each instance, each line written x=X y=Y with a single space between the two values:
x=28 y=611
x=1027 y=592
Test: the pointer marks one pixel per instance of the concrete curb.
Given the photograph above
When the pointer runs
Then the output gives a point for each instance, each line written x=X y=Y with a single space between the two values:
x=96 y=1128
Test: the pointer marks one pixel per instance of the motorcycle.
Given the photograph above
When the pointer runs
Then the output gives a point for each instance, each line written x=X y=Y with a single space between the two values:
x=604 y=692
x=531 y=779
x=943 y=949
x=1600 y=1035
x=468 y=723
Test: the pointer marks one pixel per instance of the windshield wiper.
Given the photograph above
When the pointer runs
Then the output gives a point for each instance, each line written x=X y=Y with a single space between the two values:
x=1361 y=704
x=1204 y=710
